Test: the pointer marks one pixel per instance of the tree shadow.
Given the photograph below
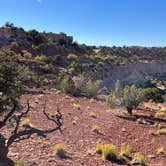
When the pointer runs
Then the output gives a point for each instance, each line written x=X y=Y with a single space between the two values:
x=117 y=160
x=34 y=92
x=6 y=162
x=150 y=119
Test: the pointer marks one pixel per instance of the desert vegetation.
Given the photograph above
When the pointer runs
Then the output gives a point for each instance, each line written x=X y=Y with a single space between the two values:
x=54 y=103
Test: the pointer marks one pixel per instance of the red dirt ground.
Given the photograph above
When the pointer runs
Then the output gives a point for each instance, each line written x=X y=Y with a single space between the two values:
x=79 y=137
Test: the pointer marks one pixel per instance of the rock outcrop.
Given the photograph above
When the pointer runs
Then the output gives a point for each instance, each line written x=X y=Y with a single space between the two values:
x=134 y=73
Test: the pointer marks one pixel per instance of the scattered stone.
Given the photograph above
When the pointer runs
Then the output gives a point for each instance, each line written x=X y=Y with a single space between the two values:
x=123 y=129
x=151 y=156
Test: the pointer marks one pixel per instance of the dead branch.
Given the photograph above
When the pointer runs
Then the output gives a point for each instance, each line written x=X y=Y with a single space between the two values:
x=29 y=130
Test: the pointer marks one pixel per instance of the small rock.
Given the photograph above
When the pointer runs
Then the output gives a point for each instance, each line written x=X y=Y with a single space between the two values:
x=151 y=156
x=123 y=129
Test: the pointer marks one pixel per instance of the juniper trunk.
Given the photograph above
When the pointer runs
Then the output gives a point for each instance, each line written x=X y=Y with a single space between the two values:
x=3 y=148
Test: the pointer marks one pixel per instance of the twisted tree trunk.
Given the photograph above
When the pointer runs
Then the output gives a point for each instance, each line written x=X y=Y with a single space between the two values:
x=3 y=148
x=129 y=110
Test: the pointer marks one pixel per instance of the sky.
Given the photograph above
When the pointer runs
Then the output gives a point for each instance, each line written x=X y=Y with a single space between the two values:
x=93 y=22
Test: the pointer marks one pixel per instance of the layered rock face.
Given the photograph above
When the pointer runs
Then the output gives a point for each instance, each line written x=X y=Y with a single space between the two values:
x=134 y=73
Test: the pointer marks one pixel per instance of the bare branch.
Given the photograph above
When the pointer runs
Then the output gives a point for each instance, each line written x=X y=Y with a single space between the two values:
x=18 y=118
x=11 y=112
x=29 y=130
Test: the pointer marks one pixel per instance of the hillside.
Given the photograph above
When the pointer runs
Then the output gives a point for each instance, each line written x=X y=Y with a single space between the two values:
x=114 y=127
x=68 y=104
x=50 y=54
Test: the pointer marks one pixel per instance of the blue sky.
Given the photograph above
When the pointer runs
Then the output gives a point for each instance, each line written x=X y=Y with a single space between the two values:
x=94 y=22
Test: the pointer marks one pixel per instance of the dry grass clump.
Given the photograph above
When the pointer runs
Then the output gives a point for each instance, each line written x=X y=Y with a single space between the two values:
x=109 y=152
x=77 y=106
x=139 y=158
x=161 y=131
x=125 y=151
x=99 y=148
x=96 y=128
x=26 y=122
x=46 y=144
x=159 y=114
x=92 y=115
x=60 y=150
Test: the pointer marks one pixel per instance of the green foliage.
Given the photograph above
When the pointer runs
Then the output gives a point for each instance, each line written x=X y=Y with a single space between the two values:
x=67 y=85
x=11 y=79
x=92 y=88
x=99 y=148
x=109 y=151
x=27 y=54
x=118 y=92
x=153 y=94
x=132 y=97
x=125 y=151
x=111 y=100
x=35 y=37
x=54 y=59
x=72 y=58
x=41 y=58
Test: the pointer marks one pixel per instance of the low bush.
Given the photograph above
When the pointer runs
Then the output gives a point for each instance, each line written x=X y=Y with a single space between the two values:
x=125 y=151
x=139 y=158
x=159 y=114
x=60 y=150
x=92 y=88
x=41 y=58
x=67 y=85
x=161 y=131
x=96 y=128
x=132 y=97
x=109 y=152
x=99 y=148
x=152 y=94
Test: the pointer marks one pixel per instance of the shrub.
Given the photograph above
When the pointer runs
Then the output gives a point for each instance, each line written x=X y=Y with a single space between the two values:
x=55 y=59
x=96 y=128
x=72 y=58
x=77 y=106
x=26 y=54
x=67 y=85
x=92 y=88
x=92 y=114
x=125 y=150
x=26 y=122
x=109 y=152
x=118 y=92
x=111 y=100
x=46 y=144
x=80 y=84
x=159 y=114
x=99 y=148
x=153 y=94
x=60 y=150
x=14 y=45
x=139 y=158
x=41 y=58
x=161 y=131
x=132 y=97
